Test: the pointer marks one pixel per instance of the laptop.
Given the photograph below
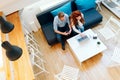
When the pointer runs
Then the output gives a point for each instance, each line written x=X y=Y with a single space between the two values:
x=81 y=39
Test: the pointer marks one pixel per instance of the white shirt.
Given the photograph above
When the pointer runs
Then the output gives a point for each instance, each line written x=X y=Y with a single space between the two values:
x=58 y=23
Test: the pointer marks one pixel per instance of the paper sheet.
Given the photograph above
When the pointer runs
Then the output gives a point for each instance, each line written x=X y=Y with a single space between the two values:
x=107 y=33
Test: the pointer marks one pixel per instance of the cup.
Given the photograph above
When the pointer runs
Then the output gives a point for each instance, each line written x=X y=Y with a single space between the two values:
x=98 y=43
x=95 y=36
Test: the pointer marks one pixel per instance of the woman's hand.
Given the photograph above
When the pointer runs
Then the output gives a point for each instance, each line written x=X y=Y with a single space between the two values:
x=69 y=31
x=82 y=35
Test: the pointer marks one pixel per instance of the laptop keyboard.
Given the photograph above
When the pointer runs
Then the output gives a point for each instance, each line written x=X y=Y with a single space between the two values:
x=82 y=38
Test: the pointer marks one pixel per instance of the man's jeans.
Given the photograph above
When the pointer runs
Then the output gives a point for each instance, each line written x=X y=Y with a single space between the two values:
x=62 y=38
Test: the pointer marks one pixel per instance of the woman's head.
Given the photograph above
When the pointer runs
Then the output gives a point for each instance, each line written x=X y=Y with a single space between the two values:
x=76 y=15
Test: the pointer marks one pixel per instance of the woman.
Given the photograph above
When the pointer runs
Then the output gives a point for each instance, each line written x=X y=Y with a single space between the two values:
x=77 y=21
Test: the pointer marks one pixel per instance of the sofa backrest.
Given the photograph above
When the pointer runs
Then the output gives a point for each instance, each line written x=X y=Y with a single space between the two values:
x=73 y=5
x=46 y=16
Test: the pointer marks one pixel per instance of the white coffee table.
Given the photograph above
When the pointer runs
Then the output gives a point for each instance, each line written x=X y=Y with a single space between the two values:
x=87 y=48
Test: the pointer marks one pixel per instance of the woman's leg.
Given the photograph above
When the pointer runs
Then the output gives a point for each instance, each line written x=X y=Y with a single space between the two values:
x=82 y=28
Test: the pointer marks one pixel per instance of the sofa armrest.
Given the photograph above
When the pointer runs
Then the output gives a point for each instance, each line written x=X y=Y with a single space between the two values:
x=49 y=33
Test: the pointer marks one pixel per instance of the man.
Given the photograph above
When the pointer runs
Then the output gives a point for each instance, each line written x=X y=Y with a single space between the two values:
x=62 y=27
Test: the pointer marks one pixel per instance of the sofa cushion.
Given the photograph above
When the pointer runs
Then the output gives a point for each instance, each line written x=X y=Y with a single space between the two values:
x=83 y=5
x=66 y=8
x=92 y=17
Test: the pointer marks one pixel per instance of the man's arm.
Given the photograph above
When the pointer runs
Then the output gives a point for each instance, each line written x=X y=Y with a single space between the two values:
x=62 y=33
x=67 y=17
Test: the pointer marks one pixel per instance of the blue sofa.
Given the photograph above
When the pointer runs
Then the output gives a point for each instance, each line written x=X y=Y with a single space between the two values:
x=91 y=16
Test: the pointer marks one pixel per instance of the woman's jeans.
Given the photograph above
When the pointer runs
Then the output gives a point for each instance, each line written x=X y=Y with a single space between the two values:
x=80 y=28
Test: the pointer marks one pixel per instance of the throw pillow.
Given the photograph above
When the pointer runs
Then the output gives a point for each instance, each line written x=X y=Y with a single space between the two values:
x=84 y=5
x=65 y=8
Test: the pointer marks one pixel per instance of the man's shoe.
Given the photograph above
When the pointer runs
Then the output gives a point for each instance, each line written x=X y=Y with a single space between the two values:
x=63 y=47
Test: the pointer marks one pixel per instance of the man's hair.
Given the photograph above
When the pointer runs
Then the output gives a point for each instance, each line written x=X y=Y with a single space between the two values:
x=60 y=14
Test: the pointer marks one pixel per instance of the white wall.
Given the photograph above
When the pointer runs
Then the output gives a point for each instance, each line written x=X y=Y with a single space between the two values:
x=10 y=6
x=50 y=3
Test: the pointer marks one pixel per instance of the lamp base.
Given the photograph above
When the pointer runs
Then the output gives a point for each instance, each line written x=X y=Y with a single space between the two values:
x=14 y=54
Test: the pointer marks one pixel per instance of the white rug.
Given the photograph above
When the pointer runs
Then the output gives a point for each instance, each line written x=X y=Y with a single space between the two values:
x=107 y=33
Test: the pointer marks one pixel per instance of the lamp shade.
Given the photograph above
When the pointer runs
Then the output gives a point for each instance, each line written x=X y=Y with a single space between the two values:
x=12 y=52
x=6 y=26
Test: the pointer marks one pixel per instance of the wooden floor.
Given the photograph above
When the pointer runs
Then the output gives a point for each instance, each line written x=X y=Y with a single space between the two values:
x=95 y=68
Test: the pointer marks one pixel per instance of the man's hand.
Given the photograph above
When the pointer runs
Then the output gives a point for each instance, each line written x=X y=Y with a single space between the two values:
x=65 y=33
x=62 y=33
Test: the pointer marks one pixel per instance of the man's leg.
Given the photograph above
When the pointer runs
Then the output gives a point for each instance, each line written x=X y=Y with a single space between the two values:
x=60 y=38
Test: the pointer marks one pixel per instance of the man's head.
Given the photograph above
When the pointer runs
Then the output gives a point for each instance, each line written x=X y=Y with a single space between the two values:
x=61 y=16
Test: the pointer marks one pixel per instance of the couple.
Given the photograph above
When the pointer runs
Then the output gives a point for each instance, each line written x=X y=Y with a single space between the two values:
x=66 y=26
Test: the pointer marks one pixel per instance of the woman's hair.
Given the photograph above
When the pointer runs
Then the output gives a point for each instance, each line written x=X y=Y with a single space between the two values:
x=74 y=15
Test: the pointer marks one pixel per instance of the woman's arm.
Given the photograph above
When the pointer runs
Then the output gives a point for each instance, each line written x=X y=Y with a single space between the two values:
x=82 y=15
x=76 y=30
x=79 y=22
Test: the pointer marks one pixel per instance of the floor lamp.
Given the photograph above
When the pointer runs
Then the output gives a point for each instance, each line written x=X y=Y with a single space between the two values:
x=12 y=52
